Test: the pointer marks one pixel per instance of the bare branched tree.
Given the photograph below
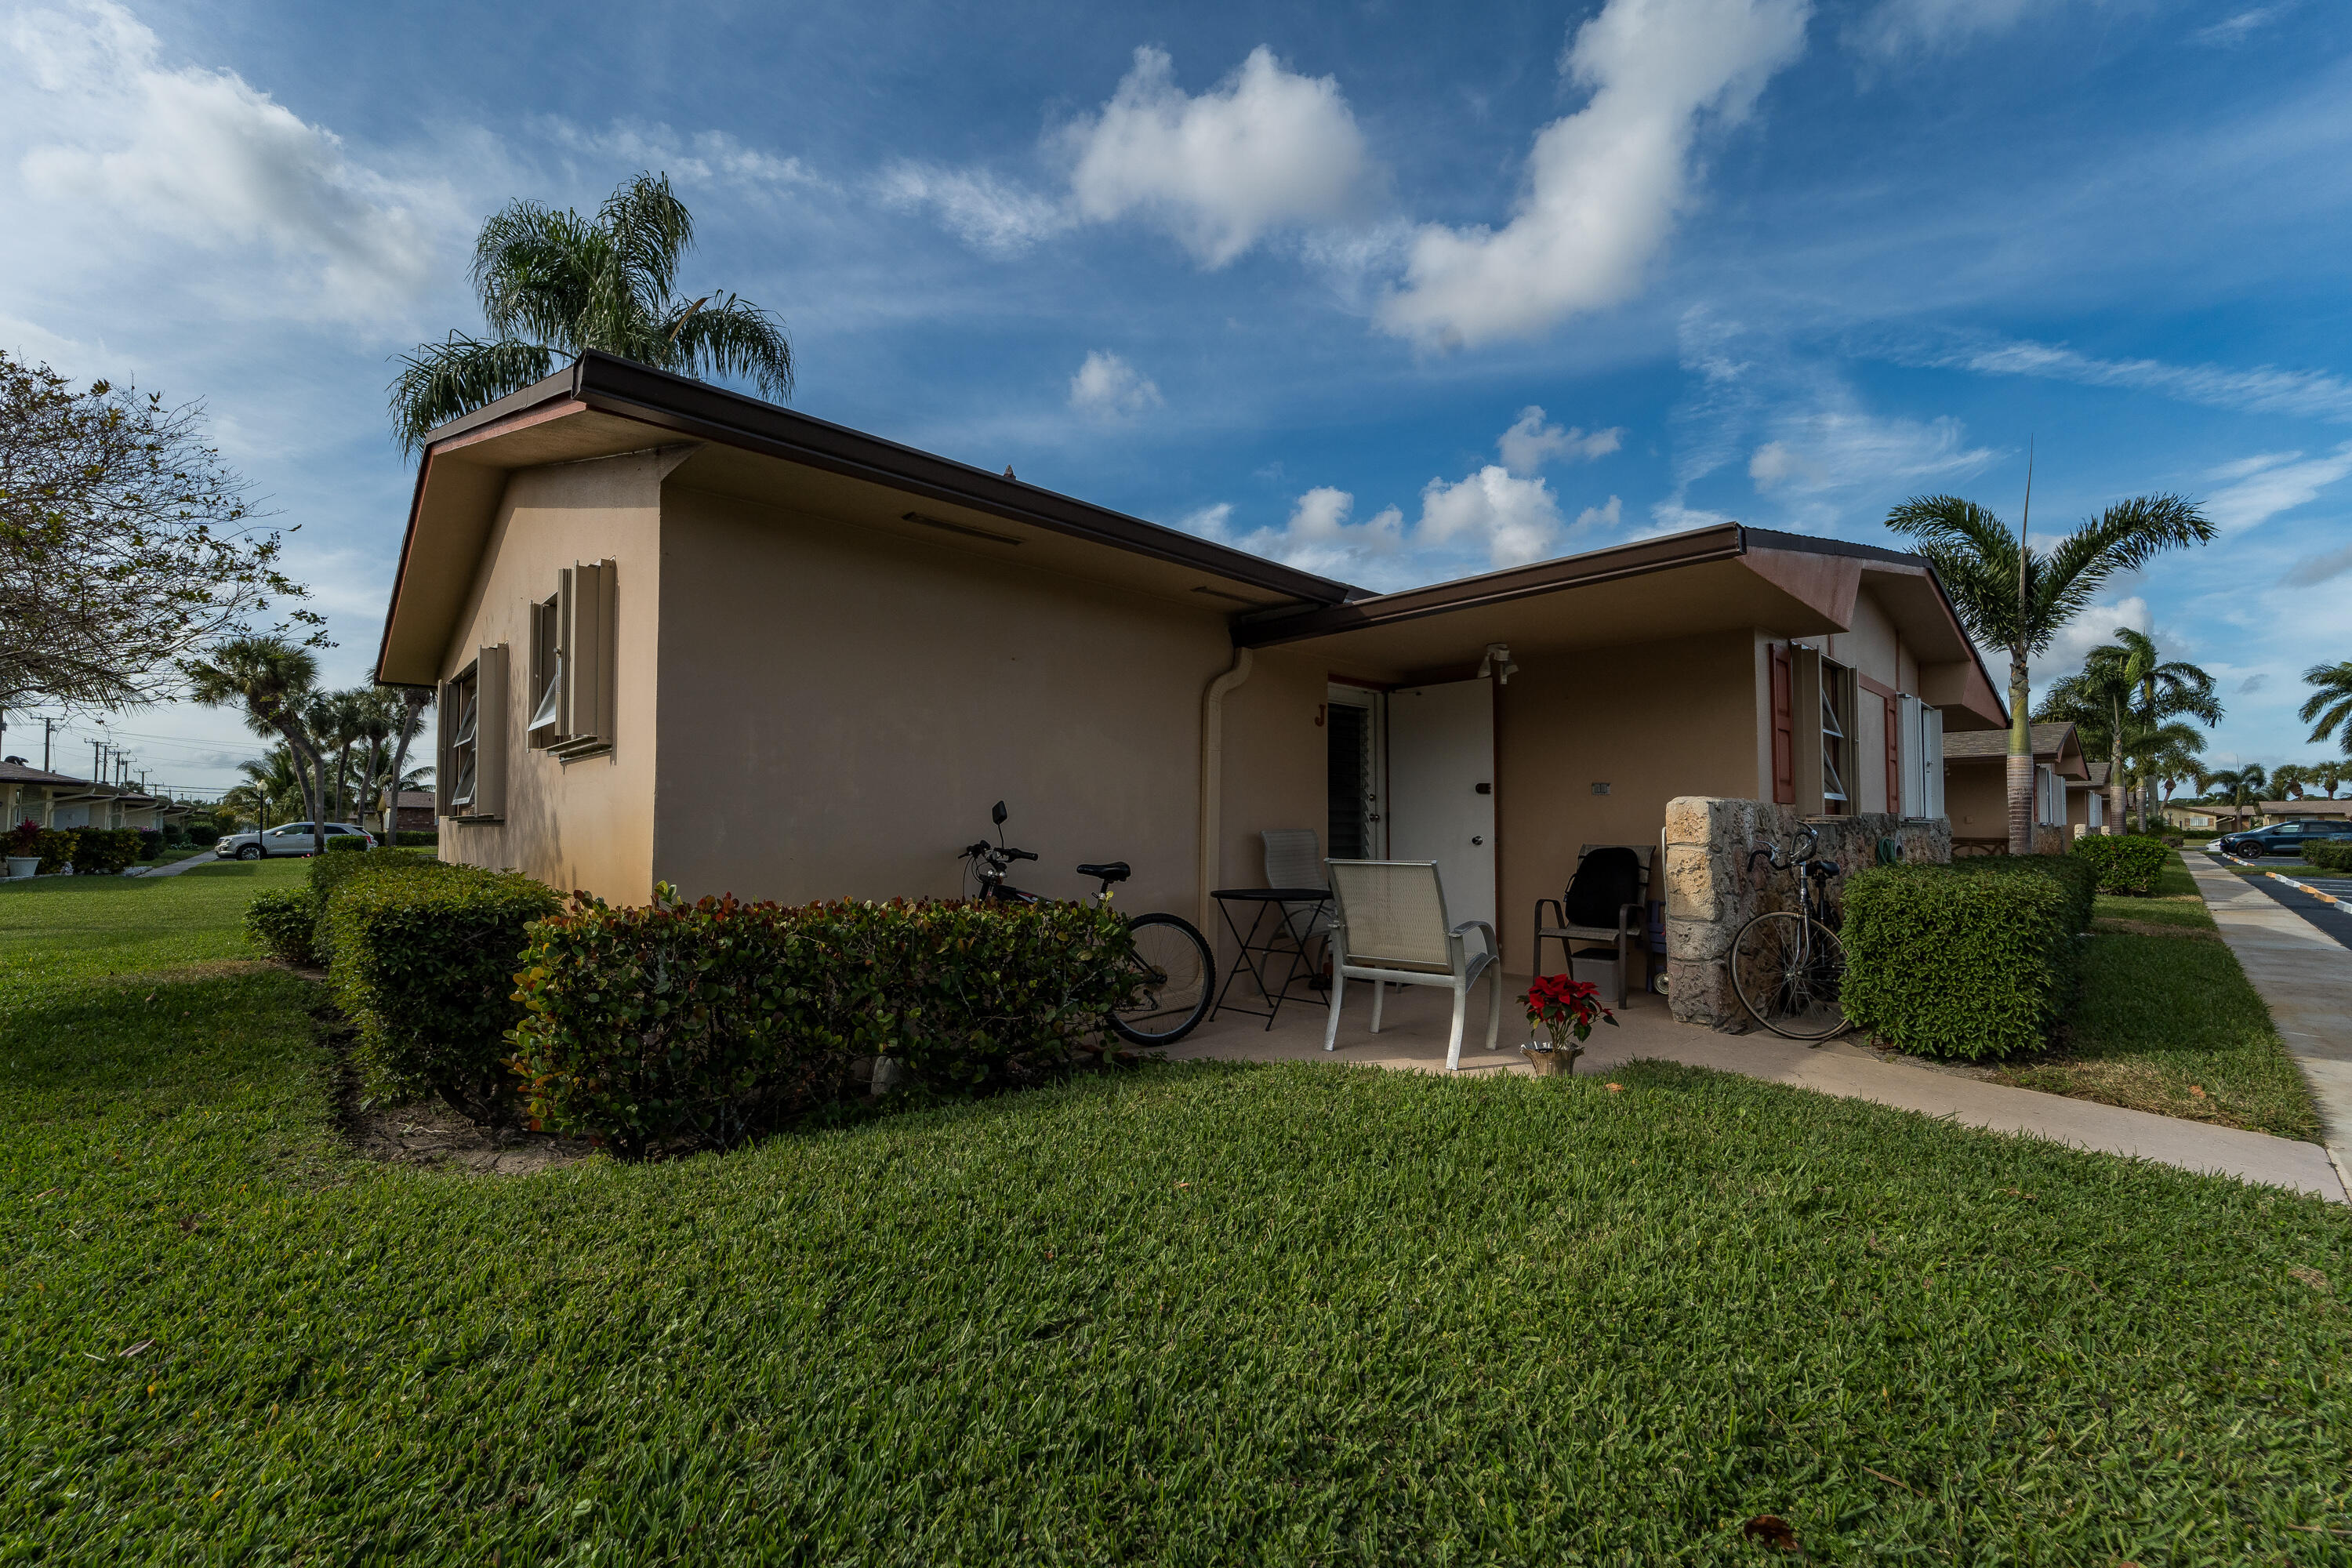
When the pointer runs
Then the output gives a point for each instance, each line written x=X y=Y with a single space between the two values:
x=126 y=545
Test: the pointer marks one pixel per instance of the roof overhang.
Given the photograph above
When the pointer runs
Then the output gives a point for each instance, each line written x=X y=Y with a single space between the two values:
x=1726 y=577
x=717 y=440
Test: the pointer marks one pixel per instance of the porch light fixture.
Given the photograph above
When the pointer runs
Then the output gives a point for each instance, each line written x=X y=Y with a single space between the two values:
x=1498 y=663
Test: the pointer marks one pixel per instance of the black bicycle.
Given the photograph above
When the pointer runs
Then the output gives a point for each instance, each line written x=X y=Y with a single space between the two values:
x=1788 y=965
x=1174 y=970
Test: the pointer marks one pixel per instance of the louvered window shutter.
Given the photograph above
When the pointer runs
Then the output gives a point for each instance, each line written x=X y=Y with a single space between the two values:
x=1784 y=728
x=1931 y=760
x=445 y=712
x=492 y=725
x=588 y=663
x=1893 y=721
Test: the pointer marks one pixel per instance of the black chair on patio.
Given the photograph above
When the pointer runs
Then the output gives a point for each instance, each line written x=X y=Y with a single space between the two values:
x=1606 y=902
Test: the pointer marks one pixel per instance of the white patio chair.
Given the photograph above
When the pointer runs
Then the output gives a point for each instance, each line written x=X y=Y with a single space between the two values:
x=1293 y=860
x=1389 y=926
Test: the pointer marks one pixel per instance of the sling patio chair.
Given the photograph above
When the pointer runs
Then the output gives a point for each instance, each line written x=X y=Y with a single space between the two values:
x=1605 y=903
x=1389 y=926
x=1293 y=859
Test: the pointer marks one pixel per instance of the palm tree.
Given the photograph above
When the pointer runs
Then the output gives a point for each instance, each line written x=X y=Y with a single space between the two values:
x=271 y=680
x=2330 y=776
x=2330 y=703
x=2164 y=690
x=2012 y=596
x=2288 y=779
x=2163 y=752
x=2096 y=700
x=2238 y=786
x=555 y=284
x=273 y=782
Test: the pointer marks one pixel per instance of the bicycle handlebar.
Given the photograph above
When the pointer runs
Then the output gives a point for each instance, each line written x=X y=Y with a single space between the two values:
x=1018 y=855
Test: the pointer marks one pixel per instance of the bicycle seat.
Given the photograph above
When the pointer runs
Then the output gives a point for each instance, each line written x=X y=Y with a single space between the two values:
x=1114 y=871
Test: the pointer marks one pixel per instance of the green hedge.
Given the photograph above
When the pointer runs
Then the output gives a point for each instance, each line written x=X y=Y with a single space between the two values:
x=2078 y=879
x=279 y=921
x=711 y=1021
x=104 y=851
x=421 y=956
x=418 y=838
x=2128 y=863
x=1973 y=960
x=2329 y=854
x=204 y=834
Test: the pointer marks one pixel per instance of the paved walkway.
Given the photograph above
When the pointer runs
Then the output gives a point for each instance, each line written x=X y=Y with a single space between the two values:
x=1413 y=1036
x=201 y=857
x=2298 y=952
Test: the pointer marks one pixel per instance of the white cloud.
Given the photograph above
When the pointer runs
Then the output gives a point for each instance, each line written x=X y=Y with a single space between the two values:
x=2233 y=30
x=985 y=211
x=1319 y=537
x=1606 y=516
x=1838 y=447
x=705 y=158
x=1106 y=387
x=2095 y=627
x=2271 y=483
x=1264 y=149
x=2264 y=390
x=2254 y=683
x=1606 y=183
x=123 y=145
x=1512 y=520
x=1531 y=443
x=2312 y=570
x=1902 y=26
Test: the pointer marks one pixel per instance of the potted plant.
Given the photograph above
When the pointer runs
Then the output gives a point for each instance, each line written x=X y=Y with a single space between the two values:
x=1566 y=1008
x=24 y=847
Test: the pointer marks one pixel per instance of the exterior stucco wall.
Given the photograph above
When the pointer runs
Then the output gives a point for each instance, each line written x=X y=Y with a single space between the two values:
x=1976 y=799
x=1276 y=770
x=841 y=707
x=585 y=824
x=1651 y=720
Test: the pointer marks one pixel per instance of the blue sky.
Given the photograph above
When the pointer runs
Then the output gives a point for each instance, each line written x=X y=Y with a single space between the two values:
x=1398 y=293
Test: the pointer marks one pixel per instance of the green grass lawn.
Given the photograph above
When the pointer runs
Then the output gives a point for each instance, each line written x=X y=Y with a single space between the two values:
x=2167 y=1021
x=1198 y=1314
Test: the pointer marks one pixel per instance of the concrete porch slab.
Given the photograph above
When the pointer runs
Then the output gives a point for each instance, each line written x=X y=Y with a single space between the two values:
x=1414 y=1033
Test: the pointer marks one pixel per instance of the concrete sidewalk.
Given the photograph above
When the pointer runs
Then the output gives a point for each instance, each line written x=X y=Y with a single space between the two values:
x=201 y=857
x=2305 y=973
x=1413 y=1032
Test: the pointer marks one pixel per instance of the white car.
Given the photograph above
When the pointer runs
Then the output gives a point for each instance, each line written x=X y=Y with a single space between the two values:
x=288 y=838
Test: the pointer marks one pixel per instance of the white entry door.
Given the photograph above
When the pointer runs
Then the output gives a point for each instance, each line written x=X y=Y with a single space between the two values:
x=1441 y=789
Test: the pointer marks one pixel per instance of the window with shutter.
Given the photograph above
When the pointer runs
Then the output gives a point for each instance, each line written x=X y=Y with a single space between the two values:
x=1837 y=738
x=1784 y=728
x=1892 y=731
x=572 y=673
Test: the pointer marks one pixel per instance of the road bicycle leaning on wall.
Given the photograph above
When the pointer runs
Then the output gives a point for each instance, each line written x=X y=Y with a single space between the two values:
x=1788 y=965
x=1173 y=968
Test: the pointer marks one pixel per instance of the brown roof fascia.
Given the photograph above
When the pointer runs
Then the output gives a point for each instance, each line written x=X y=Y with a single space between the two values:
x=1266 y=628
x=709 y=413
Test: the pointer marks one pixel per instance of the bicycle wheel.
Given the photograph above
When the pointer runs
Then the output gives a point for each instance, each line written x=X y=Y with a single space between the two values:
x=1788 y=969
x=1174 y=976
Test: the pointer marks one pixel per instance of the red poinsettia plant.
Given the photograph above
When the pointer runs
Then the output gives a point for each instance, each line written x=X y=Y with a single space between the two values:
x=1567 y=1009
x=23 y=839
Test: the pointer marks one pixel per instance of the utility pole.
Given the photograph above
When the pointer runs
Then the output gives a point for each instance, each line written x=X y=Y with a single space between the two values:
x=47 y=726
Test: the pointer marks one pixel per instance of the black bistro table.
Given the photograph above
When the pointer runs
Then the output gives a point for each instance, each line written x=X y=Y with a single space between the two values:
x=1262 y=946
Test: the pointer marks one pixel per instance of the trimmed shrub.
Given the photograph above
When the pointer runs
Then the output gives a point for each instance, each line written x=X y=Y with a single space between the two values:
x=55 y=846
x=104 y=851
x=279 y=921
x=2329 y=854
x=416 y=840
x=150 y=842
x=422 y=958
x=1967 y=965
x=345 y=841
x=2078 y=879
x=2127 y=864
x=711 y=1021
x=326 y=873
x=203 y=835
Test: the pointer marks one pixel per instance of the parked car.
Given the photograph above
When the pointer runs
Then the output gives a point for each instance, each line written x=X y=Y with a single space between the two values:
x=288 y=838
x=2283 y=837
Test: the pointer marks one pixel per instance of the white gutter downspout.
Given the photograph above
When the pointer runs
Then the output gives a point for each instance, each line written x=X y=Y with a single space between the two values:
x=1212 y=783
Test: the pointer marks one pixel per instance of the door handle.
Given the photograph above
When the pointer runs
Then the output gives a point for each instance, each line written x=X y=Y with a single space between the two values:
x=1478 y=838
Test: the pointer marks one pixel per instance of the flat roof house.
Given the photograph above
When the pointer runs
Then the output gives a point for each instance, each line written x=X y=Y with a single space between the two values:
x=680 y=635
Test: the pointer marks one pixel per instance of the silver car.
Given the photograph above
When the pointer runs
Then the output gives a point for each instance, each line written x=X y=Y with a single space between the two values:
x=288 y=838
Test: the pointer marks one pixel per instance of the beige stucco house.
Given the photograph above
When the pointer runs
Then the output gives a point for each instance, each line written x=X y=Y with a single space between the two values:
x=683 y=636
x=1976 y=786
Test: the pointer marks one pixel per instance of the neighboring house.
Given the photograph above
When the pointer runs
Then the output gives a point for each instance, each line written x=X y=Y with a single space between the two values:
x=34 y=794
x=2199 y=818
x=415 y=812
x=2271 y=811
x=2086 y=800
x=1975 y=785
x=679 y=635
